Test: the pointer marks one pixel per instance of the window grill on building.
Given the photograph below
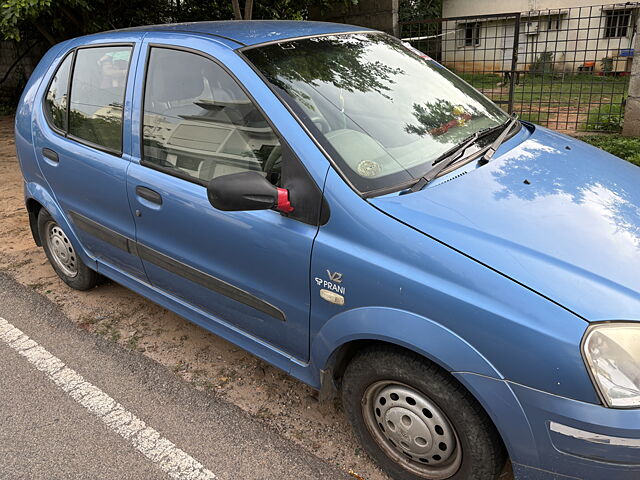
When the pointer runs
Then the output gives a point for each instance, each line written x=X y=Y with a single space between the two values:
x=554 y=22
x=617 y=23
x=469 y=34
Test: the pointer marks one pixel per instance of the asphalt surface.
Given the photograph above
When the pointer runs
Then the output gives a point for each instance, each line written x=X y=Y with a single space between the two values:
x=47 y=434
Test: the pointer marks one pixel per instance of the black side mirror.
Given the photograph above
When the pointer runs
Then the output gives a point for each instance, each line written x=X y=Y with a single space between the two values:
x=247 y=191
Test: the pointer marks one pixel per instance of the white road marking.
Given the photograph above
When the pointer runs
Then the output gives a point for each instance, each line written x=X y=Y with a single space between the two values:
x=173 y=461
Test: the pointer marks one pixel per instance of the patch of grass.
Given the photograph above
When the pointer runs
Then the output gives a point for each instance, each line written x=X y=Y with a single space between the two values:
x=569 y=89
x=480 y=80
x=627 y=148
x=606 y=118
x=535 y=117
x=109 y=331
x=132 y=342
x=539 y=96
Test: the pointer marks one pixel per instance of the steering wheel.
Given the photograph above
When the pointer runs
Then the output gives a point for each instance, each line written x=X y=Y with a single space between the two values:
x=272 y=159
x=321 y=123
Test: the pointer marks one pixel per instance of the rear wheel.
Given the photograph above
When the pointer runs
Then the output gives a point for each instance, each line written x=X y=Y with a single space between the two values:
x=416 y=421
x=63 y=256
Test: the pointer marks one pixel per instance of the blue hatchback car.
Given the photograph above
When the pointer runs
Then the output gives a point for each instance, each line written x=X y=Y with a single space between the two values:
x=347 y=209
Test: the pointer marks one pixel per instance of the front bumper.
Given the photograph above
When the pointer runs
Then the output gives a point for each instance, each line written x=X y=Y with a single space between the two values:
x=551 y=437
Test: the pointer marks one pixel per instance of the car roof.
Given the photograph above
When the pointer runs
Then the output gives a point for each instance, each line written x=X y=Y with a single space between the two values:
x=253 y=32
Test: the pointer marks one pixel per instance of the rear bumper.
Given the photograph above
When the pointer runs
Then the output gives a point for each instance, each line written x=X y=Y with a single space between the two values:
x=552 y=437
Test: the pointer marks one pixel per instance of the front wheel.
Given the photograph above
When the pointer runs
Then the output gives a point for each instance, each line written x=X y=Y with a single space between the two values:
x=416 y=421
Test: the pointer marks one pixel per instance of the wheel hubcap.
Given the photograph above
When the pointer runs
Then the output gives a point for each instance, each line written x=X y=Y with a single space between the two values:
x=412 y=430
x=61 y=250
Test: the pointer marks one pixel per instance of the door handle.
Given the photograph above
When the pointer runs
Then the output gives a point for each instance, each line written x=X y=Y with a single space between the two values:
x=50 y=155
x=149 y=195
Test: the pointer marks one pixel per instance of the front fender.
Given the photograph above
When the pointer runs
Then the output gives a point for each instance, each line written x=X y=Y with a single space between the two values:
x=443 y=347
x=406 y=329
x=37 y=192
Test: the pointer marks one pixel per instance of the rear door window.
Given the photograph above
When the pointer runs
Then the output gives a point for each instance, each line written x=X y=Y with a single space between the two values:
x=97 y=96
x=55 y=104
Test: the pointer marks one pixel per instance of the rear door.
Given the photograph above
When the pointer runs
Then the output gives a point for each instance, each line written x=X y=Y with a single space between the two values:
x=249 y=270
x=82 y=149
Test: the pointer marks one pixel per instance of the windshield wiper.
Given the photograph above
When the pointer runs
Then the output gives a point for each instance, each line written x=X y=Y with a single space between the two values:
x=488 y=155
x=453 y=155
x=443 y=161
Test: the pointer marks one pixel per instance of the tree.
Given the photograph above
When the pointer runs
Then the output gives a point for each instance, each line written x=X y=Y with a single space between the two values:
x=248 y=9
x=419 y=9
x=345 y=63
x=57 y=20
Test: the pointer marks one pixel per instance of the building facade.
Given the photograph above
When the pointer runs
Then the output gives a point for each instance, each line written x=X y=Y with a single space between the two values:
x=558 y=35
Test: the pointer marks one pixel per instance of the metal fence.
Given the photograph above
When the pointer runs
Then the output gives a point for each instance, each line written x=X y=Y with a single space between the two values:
x=565 y=68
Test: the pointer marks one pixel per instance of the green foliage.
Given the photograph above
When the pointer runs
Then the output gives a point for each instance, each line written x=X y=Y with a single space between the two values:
x=410 y=10
x=542 y=64
x=538 y=98
x=57 y=20
x=606 y=118
x=14 y=12
x=607 y=64
x=432 y=116
x=627 y=148
x=340 y=62
x=100 y=128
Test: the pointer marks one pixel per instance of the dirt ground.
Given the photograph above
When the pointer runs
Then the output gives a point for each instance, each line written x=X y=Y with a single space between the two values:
x=207 y=361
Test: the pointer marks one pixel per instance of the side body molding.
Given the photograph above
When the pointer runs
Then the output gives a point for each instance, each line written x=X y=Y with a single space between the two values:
x=134 y=248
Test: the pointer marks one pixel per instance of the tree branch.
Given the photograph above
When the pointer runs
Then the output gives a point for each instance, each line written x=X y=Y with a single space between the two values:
x=46 y=34
x=13 y=65
x=70 y=16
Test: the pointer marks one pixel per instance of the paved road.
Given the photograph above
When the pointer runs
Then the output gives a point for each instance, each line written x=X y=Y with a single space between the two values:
x=73 y=405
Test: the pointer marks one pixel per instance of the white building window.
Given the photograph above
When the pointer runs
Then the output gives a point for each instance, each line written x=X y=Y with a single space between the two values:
x=468 y=34
x=553 y=22
x=617 y=23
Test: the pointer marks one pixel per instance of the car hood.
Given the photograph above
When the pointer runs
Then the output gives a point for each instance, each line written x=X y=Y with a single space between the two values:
x=553 y=213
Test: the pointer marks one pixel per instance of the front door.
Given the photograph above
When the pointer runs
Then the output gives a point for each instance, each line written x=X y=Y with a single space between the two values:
x=81 y=150
x=249 y=270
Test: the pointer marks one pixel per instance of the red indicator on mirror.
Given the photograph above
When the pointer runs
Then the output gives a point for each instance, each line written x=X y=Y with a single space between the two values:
x=283 y=204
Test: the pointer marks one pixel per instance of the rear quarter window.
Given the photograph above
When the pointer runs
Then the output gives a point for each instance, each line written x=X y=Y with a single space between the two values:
x=55 y=102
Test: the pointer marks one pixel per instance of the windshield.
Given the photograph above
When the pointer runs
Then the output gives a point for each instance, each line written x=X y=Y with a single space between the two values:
x=382 y=111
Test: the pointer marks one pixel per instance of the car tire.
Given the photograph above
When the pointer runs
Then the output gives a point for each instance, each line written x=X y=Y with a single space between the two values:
x=434 y=429
x=62 y=255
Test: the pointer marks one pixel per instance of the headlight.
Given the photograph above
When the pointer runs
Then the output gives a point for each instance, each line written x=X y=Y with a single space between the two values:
x=612 y=352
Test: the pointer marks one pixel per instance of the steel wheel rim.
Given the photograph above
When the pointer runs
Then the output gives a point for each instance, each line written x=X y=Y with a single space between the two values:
x=411 y=429
x=62 y=251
